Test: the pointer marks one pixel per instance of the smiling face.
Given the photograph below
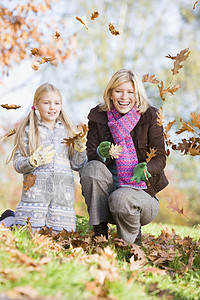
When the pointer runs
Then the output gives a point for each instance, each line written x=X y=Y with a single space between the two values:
x=123 y=97
x=49 y=106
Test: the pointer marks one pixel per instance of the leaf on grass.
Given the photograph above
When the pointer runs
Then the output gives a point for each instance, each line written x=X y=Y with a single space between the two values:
x=9 y=133
x=115 y=150
x=113 y=30
x=161 y=117
x=167 y=129
x=138 y=259
x=147 y=78
x=22 y=292
x=10 y=106
x=82 y=130
x=151 y=154
x=194 y=6
x=195 y=119
x=180 y=57
x=83 y=21
x=94 y=15
x=29 y=181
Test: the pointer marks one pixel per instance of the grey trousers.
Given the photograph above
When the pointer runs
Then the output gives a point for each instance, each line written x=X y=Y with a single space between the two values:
x=126 y=207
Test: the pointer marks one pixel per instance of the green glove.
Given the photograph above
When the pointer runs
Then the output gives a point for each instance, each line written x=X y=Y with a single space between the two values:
x=104 y=148
x=140 y=172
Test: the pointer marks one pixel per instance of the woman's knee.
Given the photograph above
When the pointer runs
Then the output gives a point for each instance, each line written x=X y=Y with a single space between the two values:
x=94 y=168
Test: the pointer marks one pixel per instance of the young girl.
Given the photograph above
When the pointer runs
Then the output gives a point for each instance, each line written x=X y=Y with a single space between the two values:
x=46 y=163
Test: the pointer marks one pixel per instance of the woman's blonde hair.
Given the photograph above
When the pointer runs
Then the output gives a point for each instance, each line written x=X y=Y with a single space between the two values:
x=117 y=79
x=32 y=120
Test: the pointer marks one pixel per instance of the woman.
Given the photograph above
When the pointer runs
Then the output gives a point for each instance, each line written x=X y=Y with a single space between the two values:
x=123 y=190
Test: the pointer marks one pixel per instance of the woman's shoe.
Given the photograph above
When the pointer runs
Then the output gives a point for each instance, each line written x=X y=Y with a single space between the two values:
x=101 y=229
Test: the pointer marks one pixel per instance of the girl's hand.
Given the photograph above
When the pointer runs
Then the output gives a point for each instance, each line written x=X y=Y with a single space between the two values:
x=80 y=143
x=42 y=156
x=140 y=172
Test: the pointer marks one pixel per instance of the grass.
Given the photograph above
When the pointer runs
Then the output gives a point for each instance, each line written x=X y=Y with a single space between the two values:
x=96 y=272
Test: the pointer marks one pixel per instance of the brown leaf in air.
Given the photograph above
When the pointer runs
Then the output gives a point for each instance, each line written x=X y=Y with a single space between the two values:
x=151 y=154
x=10 y=106
x=180 y=57
x=167 y=129
x=195 y=119
x=194 y=151
x=194 y=6
x=161 y=117
x=115 y=150
x=9 y=133
x=57 y=35
x=34 y=51
x=46 y=59
x=147 y=78
x=94 y=15
x=113 y=30
x=169 y=90
x=83 y=21
x=185 y=127
x=29 y=181
x=36 y=65
x=174 y=205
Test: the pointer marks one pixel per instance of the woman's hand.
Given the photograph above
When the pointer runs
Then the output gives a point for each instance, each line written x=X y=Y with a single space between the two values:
x=140 y=172
x=104 y=148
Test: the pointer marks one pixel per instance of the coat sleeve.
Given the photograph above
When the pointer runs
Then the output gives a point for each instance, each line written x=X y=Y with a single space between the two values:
x=156 y=141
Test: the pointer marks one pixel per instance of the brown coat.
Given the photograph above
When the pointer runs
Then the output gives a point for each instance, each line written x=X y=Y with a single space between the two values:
x=146 y=134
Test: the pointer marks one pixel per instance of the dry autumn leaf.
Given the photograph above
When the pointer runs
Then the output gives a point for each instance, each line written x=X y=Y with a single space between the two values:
x=34 y=51
x=56 y=35
x=36 y=65
x=161 y=117
x=151 y=154
x=113 y=30
x=185 y=127
x=115 y=150
x=167 y=129
x=180 y=57
x=46 y=59
x=83 y=21
x=169 y=90
x=147 y=78
x=94 y=15
x=29 y=181
x=9 y=133
x=194 y=6
x=174 y=205
x=195 y=119
x=10 y=106
x=81 y=132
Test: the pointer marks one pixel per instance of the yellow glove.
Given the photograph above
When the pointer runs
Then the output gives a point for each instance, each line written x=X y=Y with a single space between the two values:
x=80 y=143
x=42 y=156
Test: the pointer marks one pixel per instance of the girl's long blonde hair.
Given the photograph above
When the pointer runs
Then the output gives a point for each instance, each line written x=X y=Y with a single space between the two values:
x=32 y=120
x=117 y=79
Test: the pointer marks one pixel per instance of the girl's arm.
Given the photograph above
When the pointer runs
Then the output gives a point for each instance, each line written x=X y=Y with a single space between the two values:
x=78 y=160
x=21 y=163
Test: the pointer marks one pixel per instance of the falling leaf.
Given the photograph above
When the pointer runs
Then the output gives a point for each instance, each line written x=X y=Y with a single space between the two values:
x=169 y=90
x=195 y=119
x=147 y=78
x=29 y=181
x=36 y=65
x=57 y=35
x=151 y=154
x=9 y=133
x=167 y=129
x=180 y=57
x=113 y=30
x=185 y=127
x=34 y=51
x=83 y=21
x=194 y=151
x=115 y=150
x=94 y=15
x=194 y=6
x=174 y=205
x=46 y=59
x=161 y=117
x=10 y=106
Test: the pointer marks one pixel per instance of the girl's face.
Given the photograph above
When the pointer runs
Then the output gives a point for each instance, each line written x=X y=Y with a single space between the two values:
x=123 y=97
x=49 y=106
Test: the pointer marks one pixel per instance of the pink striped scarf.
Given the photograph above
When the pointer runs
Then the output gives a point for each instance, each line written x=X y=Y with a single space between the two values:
x=120 y=128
